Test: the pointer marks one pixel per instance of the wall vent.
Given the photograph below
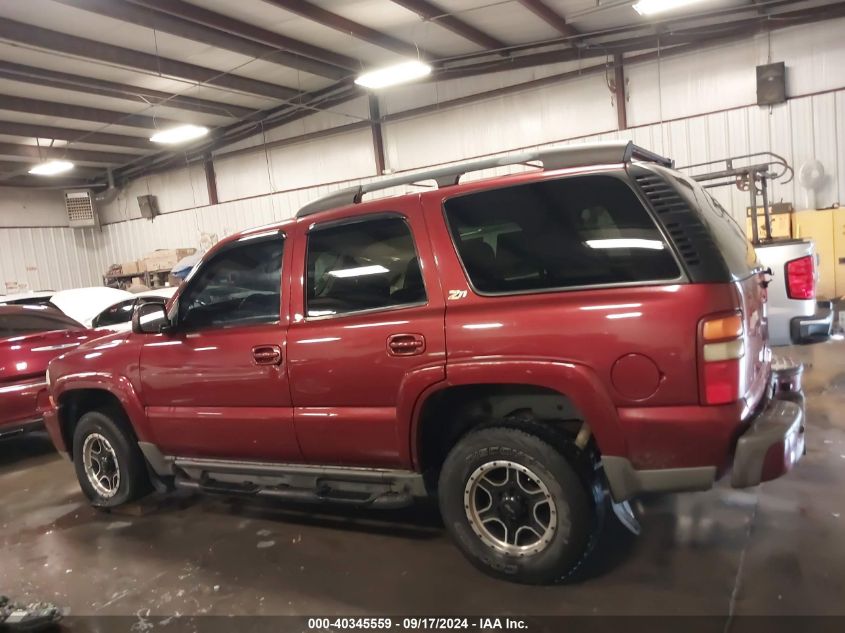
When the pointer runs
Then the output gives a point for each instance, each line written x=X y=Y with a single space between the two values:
x=81 y=212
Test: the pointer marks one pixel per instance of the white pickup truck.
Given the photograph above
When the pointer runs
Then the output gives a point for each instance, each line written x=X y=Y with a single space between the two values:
x=795 y=316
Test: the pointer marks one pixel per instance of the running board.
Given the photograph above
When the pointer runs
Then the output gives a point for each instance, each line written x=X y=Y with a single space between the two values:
x=375 y=487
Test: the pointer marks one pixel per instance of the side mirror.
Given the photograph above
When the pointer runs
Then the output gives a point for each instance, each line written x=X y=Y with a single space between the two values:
x=150 y=318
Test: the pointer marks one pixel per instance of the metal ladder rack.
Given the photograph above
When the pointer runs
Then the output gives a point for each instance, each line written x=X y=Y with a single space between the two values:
x=761 y=167
x=580 y=155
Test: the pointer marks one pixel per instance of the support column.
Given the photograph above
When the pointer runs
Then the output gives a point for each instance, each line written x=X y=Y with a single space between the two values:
x=619 y=84
x=210 y=179
x=378 y=138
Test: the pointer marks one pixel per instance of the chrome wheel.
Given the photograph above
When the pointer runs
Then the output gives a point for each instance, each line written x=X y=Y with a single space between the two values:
x=101 y=466
x=510 y=508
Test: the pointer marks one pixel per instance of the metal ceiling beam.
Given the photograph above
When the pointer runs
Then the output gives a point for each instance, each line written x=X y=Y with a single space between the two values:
x=81 y=113
x=137 y=94
x=70 y=135
x=222 y=22
x=46 y=39
x=550 y=17
x=668 y=37
x=436 y=15
x=78 y=155
x=166 y=23
x=339 y=23
x=285 y=114
x=322 y=100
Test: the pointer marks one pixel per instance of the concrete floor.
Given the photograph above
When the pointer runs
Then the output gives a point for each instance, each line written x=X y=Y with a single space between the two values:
x=779 y=549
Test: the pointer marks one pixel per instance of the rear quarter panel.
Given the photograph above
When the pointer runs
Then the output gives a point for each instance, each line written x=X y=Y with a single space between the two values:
x=611 y=335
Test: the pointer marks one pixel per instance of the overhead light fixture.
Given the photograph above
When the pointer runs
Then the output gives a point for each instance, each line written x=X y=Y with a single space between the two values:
x=180 y=134
x=393 y=75
x=51 y=168
x=650 y=7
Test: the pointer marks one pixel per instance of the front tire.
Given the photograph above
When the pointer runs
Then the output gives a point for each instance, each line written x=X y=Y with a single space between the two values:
x=109 y=466
x=515 y=506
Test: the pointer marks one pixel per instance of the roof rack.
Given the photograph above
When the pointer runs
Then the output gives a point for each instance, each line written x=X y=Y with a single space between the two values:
x=577 y=155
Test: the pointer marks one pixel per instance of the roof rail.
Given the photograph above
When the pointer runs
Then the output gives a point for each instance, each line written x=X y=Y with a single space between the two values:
x=576 y=155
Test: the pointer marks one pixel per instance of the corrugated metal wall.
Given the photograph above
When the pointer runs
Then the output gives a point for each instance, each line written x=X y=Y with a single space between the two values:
x=805 y=128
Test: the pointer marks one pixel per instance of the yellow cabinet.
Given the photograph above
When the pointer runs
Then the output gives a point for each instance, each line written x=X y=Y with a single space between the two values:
x=839 y=249
x=826 y=228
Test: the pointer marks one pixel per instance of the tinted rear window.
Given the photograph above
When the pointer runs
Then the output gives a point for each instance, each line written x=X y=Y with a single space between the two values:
x=38 y=320
x=581 y=231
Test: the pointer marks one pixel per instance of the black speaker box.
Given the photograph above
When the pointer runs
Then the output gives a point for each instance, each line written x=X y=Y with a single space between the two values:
x=771 y=84
x=148 y=206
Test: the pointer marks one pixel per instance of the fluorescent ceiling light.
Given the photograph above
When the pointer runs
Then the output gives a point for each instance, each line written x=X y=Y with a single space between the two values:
x=393 y=75
x=179 y=134
x=51 y=168
x=652 y=245
x=649 y=7
x=360 y=271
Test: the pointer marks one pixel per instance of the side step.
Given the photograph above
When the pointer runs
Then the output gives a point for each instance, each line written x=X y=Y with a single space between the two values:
x=374 y=487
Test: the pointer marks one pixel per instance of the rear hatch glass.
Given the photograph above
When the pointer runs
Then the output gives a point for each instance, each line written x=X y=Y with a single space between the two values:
x=748 y=278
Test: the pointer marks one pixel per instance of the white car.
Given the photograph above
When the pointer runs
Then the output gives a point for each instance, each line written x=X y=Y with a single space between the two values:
x=118 y=316
x=84 y=304
x=33 y=297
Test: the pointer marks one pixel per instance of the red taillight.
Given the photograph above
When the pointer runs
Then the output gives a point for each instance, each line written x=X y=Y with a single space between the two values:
x=721 y=382
x=722 y=348
x=801 y=278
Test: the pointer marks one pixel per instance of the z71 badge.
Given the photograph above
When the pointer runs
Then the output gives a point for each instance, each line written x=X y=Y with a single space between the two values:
x=457 y=294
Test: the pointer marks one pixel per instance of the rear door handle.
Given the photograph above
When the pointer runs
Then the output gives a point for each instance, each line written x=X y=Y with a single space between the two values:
x=405 y=344
x=267 y=355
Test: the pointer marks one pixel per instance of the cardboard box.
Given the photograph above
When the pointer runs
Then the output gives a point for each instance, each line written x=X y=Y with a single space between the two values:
x=781 y=224
x=165 y=258
x=133 y=267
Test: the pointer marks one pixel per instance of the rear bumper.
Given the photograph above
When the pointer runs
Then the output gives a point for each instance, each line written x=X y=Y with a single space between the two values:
x=769 y=447
x=814 y=328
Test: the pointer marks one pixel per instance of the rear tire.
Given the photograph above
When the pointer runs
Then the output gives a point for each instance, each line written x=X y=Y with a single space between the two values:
x=109 y=465
x=516 y=507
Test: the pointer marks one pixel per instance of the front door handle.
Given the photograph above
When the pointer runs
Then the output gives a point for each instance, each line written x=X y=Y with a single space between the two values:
x=405 y=344
x=267 y=355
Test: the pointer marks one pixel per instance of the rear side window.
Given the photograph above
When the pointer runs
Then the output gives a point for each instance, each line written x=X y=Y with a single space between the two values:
x=739 y=255
x=115 y=315
x=581 y=231
x=362 y=265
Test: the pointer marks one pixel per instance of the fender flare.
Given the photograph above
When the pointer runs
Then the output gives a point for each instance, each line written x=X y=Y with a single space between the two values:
x=118 y=386
x=577 y=382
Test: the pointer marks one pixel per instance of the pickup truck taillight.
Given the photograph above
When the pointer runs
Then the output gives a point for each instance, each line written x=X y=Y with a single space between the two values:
x=722 y=349
x=801 y=278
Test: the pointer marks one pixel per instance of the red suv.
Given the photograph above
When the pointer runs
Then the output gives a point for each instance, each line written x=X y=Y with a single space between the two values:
x=516 y=346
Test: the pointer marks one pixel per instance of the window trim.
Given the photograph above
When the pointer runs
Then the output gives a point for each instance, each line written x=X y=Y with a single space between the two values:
x=357 y=219
x=205 y=262
x=681 y=278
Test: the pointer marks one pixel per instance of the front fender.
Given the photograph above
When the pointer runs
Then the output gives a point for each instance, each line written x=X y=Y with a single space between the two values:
x=575 y=381
x=118 y=386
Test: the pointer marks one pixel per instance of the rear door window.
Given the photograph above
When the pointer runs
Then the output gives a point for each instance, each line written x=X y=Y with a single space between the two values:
x=557 y=234
x=366 y=264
